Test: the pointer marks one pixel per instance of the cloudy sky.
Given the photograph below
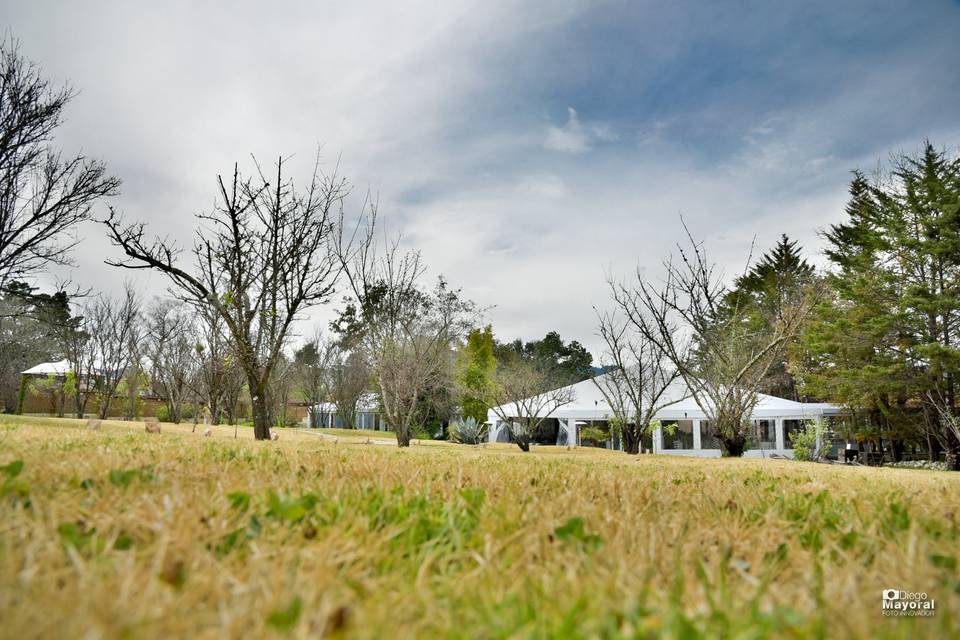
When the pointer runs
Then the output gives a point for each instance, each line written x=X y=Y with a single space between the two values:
x=524 y=147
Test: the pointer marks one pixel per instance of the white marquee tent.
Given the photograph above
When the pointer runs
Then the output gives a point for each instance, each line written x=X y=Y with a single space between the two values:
x=774 y=420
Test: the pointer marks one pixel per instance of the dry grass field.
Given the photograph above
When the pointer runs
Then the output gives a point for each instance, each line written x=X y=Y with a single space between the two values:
x=120 y=533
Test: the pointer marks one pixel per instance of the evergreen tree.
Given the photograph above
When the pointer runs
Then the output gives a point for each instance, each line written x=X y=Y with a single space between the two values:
x=776 y=276
x=30 y=325
x=777 y=280
x=476 y=370
x=566 y=362
x=886 y=342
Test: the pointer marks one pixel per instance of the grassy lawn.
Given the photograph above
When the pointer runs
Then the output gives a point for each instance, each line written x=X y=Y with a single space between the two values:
x=120 y=533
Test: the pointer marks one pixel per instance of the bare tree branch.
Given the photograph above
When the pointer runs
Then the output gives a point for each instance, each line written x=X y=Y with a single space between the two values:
x=43 y=194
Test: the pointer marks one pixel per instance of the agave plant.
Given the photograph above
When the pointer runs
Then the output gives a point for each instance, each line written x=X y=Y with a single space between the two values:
x=467 y=431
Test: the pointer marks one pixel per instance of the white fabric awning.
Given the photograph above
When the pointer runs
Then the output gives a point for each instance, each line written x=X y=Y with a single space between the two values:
x=47 y=368
x=591 y=405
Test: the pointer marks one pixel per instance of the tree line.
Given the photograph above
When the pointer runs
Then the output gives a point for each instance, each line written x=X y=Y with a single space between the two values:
x=875 y=329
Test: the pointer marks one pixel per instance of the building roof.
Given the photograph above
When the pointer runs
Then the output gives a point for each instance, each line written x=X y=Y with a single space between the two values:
x=48 y=368
x=589 y=404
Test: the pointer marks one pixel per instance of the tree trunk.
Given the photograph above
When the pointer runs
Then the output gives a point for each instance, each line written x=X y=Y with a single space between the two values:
x=259 y=401
x=349 y=418
x=403 y=436
x=953 y=451
x=104 y=408
x=735 y=445
x=896 y=449
x=261 y=415
x=631 y=439
x=22 y=394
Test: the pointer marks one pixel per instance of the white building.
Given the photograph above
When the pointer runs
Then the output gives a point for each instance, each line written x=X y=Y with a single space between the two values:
x=324 y=415
x=775 y=420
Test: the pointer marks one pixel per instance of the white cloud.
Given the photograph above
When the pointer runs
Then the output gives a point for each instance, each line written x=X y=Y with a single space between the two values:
x=542 y=186
x=570 y=137
x=574 y=137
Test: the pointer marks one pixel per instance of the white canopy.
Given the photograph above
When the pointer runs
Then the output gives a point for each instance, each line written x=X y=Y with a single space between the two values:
x=589 y=404
x=48 y=368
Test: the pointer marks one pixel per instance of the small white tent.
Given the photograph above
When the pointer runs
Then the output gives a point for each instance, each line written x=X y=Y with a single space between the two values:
x=44 y=369
x=368 y=415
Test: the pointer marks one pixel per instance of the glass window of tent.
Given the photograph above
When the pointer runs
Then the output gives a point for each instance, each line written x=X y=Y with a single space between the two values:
x=790 y=430
x=763 y=434
x=681 y=436
x=708 y=436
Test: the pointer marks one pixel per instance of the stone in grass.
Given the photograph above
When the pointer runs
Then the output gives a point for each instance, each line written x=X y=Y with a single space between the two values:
x=275 y=437
x=93 y=425
x=152 y=426
x=208 y=432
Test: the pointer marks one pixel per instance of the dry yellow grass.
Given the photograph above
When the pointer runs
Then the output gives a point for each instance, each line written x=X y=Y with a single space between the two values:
x=120 y=533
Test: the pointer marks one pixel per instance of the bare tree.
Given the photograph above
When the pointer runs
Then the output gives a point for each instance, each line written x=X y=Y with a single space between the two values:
x=170 y=349
x=722 y=358
x=213 y=365
x=940 y=398
x=110 y=324
x=312 y=362
x=135 y=378
x=349 y=376
x=280 y=389
x=233 y=385
x=406 y=331
x=262 y=257
x=638 y=378
x=523 y=396
x=43 y=193
x=76 y=340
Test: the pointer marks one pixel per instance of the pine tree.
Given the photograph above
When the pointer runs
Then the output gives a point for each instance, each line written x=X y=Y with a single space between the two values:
x=777 y=274
x=886 y=342
x=779 y=277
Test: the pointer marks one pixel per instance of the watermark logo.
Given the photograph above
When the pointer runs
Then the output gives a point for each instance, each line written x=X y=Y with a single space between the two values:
x=897 y=602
